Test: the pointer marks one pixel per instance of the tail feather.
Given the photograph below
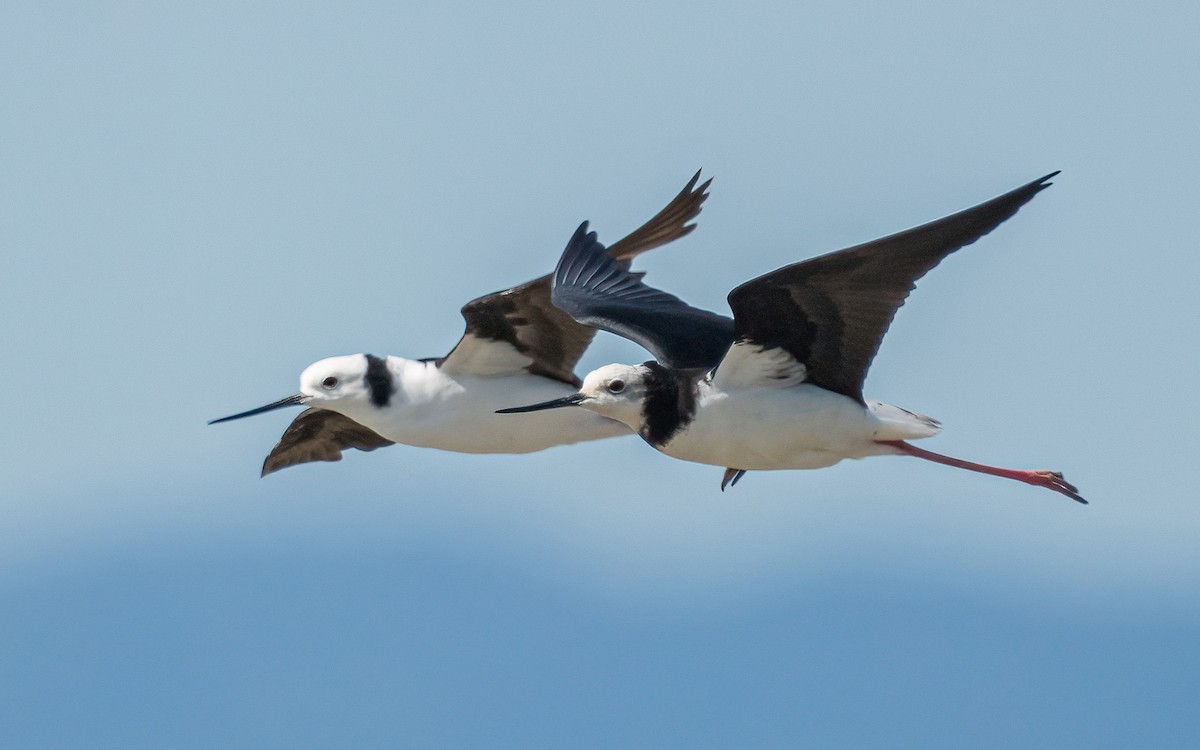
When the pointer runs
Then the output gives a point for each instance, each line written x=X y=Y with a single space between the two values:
x=901 y=424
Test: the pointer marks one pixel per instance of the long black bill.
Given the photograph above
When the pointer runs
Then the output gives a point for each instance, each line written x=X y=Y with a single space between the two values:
x=572 y=400
x=295 y=400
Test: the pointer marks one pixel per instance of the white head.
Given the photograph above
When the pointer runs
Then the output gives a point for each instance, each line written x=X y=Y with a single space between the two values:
x=336 y=382
x=351 y=384
x=616 y=392
x=613 y=391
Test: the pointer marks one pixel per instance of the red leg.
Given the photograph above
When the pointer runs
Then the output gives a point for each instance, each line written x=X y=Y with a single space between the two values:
x=1051 y=480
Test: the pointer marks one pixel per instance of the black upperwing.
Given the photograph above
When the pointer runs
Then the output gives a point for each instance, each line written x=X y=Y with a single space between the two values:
x=545 y=339
x=601 y=292
x=831 y=312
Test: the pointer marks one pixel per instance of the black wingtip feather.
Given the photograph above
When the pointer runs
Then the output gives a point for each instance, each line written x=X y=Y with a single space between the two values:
x=1036 y=186
x=676 y=220
x=597 y=289
x=582 y=246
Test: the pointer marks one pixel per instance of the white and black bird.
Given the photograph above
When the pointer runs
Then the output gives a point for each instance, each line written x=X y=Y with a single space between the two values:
x=518 y=347
x=780 y=385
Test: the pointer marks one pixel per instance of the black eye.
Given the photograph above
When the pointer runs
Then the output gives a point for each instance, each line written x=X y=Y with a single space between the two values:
x=616 y=386
x=330 y=382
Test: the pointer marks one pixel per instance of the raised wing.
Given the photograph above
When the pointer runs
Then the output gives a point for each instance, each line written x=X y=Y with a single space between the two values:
x=601 y=292
x=830 y=313
x=320 y=435
x=520 y=328
x=667 y=225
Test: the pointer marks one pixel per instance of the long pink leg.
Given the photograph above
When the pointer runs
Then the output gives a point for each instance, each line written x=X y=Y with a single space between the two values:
x=1051 y=480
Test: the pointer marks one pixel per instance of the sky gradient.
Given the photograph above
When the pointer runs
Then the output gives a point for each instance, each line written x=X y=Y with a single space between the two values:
x=200 y=201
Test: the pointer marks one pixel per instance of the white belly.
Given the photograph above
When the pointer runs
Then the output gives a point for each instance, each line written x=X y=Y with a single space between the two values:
x=458 y=414
x=801 y=427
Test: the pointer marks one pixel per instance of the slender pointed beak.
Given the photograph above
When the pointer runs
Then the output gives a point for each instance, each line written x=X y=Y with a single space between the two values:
x=294 y=400
x=573 y=400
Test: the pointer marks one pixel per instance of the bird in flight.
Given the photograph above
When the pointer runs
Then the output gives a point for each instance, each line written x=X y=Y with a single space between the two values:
x=780 y=385
x=517 y=347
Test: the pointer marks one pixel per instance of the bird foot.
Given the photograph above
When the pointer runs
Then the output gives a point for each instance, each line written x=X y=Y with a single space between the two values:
x=731 y=477
x=1053 y=480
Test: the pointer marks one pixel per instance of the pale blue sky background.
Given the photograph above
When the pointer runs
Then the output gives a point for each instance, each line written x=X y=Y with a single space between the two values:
x=199 y=201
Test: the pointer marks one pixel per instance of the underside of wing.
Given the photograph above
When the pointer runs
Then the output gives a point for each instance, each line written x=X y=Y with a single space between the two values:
x=830 y=313
x=320 y=435
x=521 y=329
x=601 y=292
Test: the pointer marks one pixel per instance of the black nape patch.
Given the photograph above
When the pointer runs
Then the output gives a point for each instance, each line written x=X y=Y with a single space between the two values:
x=379 y=380
x=669 y=403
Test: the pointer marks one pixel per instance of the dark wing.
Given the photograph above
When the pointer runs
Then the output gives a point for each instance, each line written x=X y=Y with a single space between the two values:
x=601 y=292
x=667 y=225
x=320 y=435
x=520 y=328
x=830 y=313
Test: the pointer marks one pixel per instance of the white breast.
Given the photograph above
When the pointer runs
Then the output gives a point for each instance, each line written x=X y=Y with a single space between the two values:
x=434 y=409
x=802 y=427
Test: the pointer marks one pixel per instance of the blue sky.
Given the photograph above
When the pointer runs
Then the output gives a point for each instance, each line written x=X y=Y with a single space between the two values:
x=199 y=201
